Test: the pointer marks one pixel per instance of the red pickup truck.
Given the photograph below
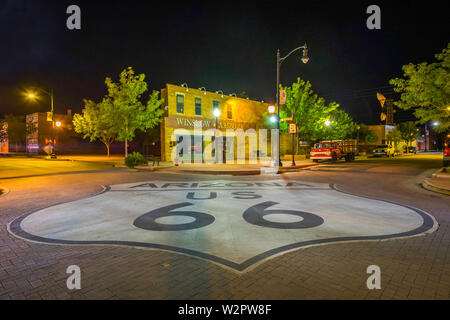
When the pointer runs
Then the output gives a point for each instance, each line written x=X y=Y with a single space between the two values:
x=333 y=150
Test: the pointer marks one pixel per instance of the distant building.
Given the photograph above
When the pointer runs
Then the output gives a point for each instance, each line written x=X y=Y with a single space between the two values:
x=43 y=131
x=12 y=135
x=381 y=130
x=4 y=143
x=67 y=141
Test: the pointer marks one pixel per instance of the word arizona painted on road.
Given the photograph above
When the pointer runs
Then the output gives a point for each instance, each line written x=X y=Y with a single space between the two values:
x=190 y=185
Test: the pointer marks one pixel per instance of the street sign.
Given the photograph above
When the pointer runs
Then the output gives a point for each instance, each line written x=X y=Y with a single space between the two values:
x=49 y=116
x=292 y=128
x=286 y=119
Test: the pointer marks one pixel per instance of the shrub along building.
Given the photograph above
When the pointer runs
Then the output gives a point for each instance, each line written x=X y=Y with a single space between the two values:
x=187 y=108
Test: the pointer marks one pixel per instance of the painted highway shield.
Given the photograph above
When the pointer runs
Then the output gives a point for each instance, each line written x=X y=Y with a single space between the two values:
x=235 y=224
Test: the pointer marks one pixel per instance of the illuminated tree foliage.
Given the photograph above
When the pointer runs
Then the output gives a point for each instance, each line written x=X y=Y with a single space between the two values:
x=94 y=122
x=128 y=111
x=394 y=137
x=364 y=134
x=121 y=111
x=408 y=131
x=426 y=88
x=311 y=111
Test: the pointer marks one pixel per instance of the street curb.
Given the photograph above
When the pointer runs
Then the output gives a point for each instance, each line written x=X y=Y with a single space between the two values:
x=437 y=172
x=140 y=168
x=295 y=168
x=143 y=168
x=249 y=172
x=89 y=161
x=428 y=186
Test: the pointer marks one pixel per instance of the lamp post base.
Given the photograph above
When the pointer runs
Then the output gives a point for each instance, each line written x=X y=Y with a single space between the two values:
x=279 y=164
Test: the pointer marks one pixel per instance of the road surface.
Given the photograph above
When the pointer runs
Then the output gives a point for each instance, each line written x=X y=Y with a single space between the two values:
x=165 y=235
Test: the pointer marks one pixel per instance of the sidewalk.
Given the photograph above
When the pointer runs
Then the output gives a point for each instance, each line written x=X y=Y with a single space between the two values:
x=239 y=169
x=439 y=182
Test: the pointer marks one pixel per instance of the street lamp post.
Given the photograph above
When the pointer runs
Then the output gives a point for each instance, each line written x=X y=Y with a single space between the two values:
x=216 y=113
x=50 y=94
x=305 y=59
x=293 y=141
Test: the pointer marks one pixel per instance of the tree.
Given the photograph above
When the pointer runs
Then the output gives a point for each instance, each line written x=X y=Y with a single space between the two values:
x=283 y=124
x=94 y=124
x=128 y=113
x=394 y=137
x=311 y=112
x=426 y=88
x=408 y=132
x=363 y=134
x=341 y=126
x=371 y=137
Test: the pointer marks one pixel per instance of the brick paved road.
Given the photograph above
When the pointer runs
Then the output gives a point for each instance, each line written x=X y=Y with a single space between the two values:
x=414 y=268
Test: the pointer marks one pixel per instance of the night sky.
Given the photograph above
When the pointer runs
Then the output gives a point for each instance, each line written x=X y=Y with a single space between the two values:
x=229 y=46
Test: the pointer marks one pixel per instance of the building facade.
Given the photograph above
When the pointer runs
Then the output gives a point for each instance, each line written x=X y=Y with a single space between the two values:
x=41 y=132
x=192 y=110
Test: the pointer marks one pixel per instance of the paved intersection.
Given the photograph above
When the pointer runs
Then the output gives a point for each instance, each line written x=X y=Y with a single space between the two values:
x=415 y=267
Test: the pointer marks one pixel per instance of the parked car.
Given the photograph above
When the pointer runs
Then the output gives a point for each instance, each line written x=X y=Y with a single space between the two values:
x=383 y=150
x=410 y=150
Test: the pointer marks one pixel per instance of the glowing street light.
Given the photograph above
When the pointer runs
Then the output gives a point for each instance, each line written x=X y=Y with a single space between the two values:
x=58 y=123
x=273 y=119
x=436 y=123
x=327 y=123
x=305 y=57
x=33 y=96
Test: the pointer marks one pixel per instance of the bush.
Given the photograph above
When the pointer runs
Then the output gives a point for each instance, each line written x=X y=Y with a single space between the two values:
x=135 y=159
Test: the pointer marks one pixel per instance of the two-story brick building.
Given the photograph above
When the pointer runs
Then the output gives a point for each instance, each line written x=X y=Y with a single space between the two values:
x=186 y=108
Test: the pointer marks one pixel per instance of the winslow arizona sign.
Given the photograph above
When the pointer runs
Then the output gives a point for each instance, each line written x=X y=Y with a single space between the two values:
x=176 y=121
x=260 y=219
